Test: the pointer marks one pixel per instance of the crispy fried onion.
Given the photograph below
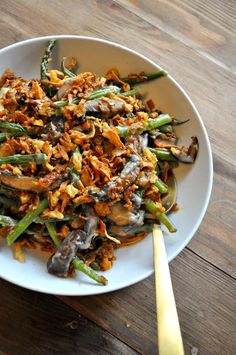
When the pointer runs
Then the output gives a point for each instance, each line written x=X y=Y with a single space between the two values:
x=112 y=135
x=103 y=231
x=79 y=137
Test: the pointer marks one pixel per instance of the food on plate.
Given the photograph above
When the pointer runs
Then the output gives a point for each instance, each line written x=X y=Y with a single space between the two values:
x=86 y=165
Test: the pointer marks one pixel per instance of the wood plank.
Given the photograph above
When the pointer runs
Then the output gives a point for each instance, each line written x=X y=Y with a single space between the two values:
x=196 y=26
x=205 y=81
x=223 y=13
x=32 y=323
x=215 y=240
x=205 y=300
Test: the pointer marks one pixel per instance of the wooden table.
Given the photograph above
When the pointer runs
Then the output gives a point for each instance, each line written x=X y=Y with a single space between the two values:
x=195 y=41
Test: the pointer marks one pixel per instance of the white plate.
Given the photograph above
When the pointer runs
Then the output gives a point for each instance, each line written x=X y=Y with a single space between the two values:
x=134 y=263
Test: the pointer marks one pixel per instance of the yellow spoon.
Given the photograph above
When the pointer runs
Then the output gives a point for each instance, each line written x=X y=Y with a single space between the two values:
x=169 y=334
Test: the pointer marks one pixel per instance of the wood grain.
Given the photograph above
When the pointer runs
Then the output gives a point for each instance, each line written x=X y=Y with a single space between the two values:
x=194 y=25
x=215 y=240
x=32 y=323
x=220 y=12
x=205 y=300
x=195 y=41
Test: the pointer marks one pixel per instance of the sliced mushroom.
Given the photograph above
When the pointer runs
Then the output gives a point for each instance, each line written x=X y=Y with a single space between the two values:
x=64 y=88
x=90 y=228
x=136 y=202
x=144 y=141
x=169 y=199
x=54 y=128
x=127 y=176
x=186 y=155
x=121 y=216
x=105 y=106
x=123 y=221
x=58 y=264
x=165 y=140
x=28 y=183
x=15 y=182
x=131 y=170
x=136 y=221
x=138 y=142
x=123 y=231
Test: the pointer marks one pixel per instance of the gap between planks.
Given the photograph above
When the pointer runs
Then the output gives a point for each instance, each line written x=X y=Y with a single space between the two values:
x=209 y=262
x=51 y=326
x=198 y=286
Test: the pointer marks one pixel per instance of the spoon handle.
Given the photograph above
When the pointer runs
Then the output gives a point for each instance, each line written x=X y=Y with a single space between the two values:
x=169 y=334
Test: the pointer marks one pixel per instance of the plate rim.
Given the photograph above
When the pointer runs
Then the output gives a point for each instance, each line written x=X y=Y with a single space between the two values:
x=105 y=289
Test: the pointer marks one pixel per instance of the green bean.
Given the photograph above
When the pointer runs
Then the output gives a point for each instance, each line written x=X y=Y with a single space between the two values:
x=129 y=93
x=53 y=233
x=95 y=266
x=51 y=91
x=47 y=55
x=177 y=122
x=144 y=77
x=161 y=186
x=151 y=124
x=80 y=265
x=140 y=193
x=95 y=95
x=63 y=103
x=166 y=128
x=65 y=70
x=24 y=223
x=158 y=122
x=24 y=159
x=98 y=94
x=5 y=135
x=160 y=216
x=163 y=154
x=104 y=92
x=14 y=128
x=74 y=177
x=7 y=221
x=52 y=220
x=158 y=170
x=165 y=220
x=152 y=207
x=123 y=131
x=75 y=100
